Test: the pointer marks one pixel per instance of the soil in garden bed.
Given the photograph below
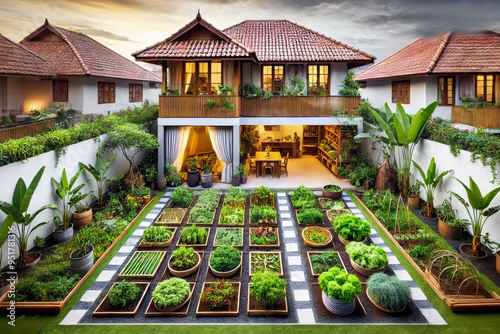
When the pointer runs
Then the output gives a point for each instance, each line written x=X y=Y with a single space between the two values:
x=106 y=306
x=233 y=306
x=254 y=305
x=450 y=287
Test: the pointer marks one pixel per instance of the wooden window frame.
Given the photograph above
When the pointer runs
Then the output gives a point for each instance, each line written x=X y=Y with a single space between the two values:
x=133 y=94
x=317 y=82
x=197 y=73
x=493 y=100
x=445 y=98
x=102 y=98
x=400 y=98
x=274 y=92
x=60 y=97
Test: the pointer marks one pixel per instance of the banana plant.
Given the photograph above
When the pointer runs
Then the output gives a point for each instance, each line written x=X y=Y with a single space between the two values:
x=99 y=173
x=430 y=183
x=403 y=133
x=68 y=195
x=477 y=209
x=17 y=212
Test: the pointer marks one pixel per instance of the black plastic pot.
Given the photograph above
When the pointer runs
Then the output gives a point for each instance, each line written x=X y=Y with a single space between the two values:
x=193 y=178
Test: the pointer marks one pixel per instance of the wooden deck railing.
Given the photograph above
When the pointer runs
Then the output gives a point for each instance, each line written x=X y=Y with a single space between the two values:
x=22 y=130
x=174 y=106
x=478 y=117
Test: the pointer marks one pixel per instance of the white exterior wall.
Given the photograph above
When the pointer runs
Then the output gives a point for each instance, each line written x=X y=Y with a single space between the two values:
x=75 y=93
x=15 y=93
x=337 y=73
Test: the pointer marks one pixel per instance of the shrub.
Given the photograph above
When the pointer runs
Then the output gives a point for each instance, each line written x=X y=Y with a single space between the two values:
x=368 y=257
x=310 y=216
x=262 y=212
x=183 y=258
x=303 y=198
x=388 y=291
x=267 y=287
x=171 y=292
x=225 y=258
x=351 y=227
x=194 y=235
x=123 y=294
x=157 y=234
x=182 y=197
x=337 y=284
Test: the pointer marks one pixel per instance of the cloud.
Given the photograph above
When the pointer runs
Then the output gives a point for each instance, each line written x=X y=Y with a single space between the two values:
x=104 y=34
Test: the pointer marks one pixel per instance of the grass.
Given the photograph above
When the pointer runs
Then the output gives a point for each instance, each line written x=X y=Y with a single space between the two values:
x=457 y=323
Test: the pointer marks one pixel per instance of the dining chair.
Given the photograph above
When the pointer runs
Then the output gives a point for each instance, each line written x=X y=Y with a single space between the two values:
x=266 y=167
x=251 y=163
x=284 y=165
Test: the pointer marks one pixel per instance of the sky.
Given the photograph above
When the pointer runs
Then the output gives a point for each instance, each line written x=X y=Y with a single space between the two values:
x=374 y=26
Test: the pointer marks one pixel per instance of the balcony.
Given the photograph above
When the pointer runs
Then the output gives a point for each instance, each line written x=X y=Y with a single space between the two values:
x=17 y=131
x=179 y=106
x=478 y=117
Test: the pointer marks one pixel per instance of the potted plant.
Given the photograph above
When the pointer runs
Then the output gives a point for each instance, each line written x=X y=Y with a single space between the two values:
x=388 y=293
x=193 y=177
x=82 y=258
x=17 y=212
x=267 y=294
x=365 y=259
x=243 y=173
x=339 y=291
x=206 y=178
x=350 y=227
x=225 y=261
x=69 y=194
x=171 y=294
x=236 y=180
x=316 y=236
x=81 y=216
x=332 y=191
x=172 y=176
x=448 y=224
x=414 y=196
x=184 y=262
x=495 y=248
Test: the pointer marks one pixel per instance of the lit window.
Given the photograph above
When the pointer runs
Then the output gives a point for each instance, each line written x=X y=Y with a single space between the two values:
x=485 y=87
x=318 y=80
x=273 y=78
x=202 y=78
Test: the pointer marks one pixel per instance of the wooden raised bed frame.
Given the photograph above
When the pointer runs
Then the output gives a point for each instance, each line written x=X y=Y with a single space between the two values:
x=56 y=307
x=263 y=246
x=145 y=244
x=230 y=228
x=256 y=252
x=151 y=311
x=97 y=313
x=195 y=245
x=143 y=276
x=157 y=222
x=220 y=313
x=265 y=311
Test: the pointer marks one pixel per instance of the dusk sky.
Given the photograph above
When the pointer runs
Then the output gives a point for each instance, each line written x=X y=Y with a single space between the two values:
x=374 y=26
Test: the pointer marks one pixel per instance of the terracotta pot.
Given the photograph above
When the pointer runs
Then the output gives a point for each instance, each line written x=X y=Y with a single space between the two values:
x=380 y=307
x=38 y=257
x=81 y=265
x=414 y=201
x=207 y=180
x=364 y=271
x=187 y=272
x=335 y=195
x=498 y=261
x=193 y=178
x=63 y=235
x=6 y=288
x=467 y=248
x=81 y=219
x=236 y=181
x=449 y=231
x=338 y=307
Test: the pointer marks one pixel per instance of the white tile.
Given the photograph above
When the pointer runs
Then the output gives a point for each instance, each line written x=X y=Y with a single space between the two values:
x=418 y=294
x=393 y=260
x=294 y=260
x=167 y=194
x=73 y=317
x=403 y=275
x=117 y=260
x=377 y=240
x=282 y=201
x=290 y=234
x=105 y=276
x=287 y=223
x=281 y=194
x=285 y=216
x=292 y=247
x=318 y=192
x=138 y=232
x=387 y=249
x=145 y=224
x=373 y=231
x=151 y=215
x=297 y=276
x=306 y=316
x=356 y=210
x=90 y=295
x=284 y=208
x=301 y=295
x=433 y=316
x=126 y=249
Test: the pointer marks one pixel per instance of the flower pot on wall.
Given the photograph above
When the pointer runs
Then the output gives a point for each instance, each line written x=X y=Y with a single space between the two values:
x=449 y=231
x=193 y=178
x=81 y=265
x=62 y=236
x=206 y=180
x=81 y=219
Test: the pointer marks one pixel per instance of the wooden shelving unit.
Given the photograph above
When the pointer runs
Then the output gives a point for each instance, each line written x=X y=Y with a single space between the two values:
x=311 y=136
x=340 y=140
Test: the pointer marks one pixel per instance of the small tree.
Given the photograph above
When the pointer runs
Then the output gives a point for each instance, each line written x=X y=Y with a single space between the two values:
x=349 y=86
x=130 y=139
x=99 y=172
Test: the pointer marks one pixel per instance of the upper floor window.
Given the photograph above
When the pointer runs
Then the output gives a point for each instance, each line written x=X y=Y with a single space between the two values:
x=106 y=92
x=273 y=78
x=485 y=87
x=202 y=78
x=318 y=78
x=60 y=91
x=135 y=93
x=446 y=92
x=401 y=92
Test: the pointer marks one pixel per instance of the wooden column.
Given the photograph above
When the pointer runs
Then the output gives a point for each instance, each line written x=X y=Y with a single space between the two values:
x=164 y=76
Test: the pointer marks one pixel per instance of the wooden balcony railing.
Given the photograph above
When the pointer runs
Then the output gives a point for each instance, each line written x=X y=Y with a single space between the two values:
x=173 y=106
x=22 y=130
x=478 y=117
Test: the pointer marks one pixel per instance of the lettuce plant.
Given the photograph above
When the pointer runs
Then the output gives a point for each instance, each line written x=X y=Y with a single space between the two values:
x=368 y=257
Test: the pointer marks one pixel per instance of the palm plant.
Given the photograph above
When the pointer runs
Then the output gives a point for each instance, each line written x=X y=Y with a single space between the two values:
x=403 y=133
x=430 y=183
x=17 y=212
x=69 y=196
x=99 y=173
x=479 y=211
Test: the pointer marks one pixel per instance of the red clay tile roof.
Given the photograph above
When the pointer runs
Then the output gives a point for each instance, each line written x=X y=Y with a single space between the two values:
x=78 y=54
x=15 y=59
x=282 y=40
x=448 y=53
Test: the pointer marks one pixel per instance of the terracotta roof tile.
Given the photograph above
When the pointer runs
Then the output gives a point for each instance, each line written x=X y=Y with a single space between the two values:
x=15 y=59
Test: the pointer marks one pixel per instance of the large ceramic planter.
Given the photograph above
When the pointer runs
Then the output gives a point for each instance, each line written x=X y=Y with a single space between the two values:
x=338 y=307
x=346 y=241
x=81 y=265
x=380 y=307
x=414 y=201
x=224 y=274
x=206 y=180
x=187 y=272
x=363 y=271
x=193 y=178
x=63 y=235
x=32 y=259
x=244 y=179
x=449 y=231
x=161 y=183
x=81 y=219
x=335 y=195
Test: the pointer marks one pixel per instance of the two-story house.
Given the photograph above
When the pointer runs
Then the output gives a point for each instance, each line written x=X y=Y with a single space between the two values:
x=199 y=58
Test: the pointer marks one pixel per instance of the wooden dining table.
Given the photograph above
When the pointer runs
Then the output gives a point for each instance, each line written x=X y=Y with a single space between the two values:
x=261 y=160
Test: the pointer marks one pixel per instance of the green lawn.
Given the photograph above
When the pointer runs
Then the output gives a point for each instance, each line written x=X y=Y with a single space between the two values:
x=457 y=323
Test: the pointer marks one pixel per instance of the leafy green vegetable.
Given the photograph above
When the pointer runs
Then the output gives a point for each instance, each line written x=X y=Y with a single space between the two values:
x=235 y=196
x=184 y=258
x=368 y=257
x=182 y=197
x=201 y=215
x=267 y=287
x=303 y=198
x=310 y=216
x=157 y=234
x=123 y=294
x=232 y=215
x=351 y=227
x=324 y=261
x=225 y=258
x=228 y=236
x=262 y=212
x=192 y=235
x=171 y=292
x=338 y=284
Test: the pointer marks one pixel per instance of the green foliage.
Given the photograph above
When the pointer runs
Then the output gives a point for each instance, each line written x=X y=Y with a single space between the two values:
x=225 y=258
x=262 y=212
x=192 y=235
x=183 y=258
x=192 y=164
x=389 y=291
x=267 y=287
x=349 y=86
x=445 y=211
x=351 y=227
x=148 y=166
x=232 y=215
x=297 y=87
x=423 y=251
x=99 y=172
x=209 y=197
x=23 y=148
x=144 y=191
x=201 y=215
x=475 y=102
x=265 y=261
x=324 y=261
x=339 y=285
x=146 y=116
x=81 y=240
x=332 y=187
x=217 y=295
x=252 y=90
x=235 y=196
x=7 y=121
x=123 y=294
x=263 y=236
x=170 y=91
x=368 y=257
x=263 y=196
x=310 y=216
x=362 y=170
x=157 y=234
x=228 y=236
x=171 y=292
x=303 y=198
x=182 y=197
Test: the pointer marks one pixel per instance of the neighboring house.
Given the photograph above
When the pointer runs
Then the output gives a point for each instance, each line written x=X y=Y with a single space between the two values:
x=77 y=71
x=444 y=68
x=268 y=53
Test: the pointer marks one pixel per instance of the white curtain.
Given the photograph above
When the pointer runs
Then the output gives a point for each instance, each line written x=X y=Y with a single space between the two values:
x=222 y=142
x=176 y=139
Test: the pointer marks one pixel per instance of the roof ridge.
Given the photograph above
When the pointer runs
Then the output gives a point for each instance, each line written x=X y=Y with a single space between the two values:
x=72 y=47
x=439 y=51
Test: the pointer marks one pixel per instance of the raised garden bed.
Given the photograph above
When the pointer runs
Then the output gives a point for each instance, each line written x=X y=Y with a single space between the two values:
x=143 y=265
x=181 y=243
x=229 y=236
x=230 y=310
x=105 y=309
x=255 y=307
x=171 y=216
x=232 y=215
x=261 y=261
x=315 y=217
x=146 y=244
x=151 y=311
x=190 y=275
x=327 y=260
x=264 y=237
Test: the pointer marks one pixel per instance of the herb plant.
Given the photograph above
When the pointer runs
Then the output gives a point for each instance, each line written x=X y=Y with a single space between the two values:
x=351 y=227
x=228 y=237
x=338 y=284
x=182 y=197
x=368 y=257
x=171 y=292
x=310 y=216
x=263 y=236
x=263 y=196
x=303 y=198
x=193 y=235
x=183 y=258
x=265 y=261
x=333 y=187
x=324 y=261
x=225 y=258
x=209 y=198
x=123 y=294
x=201 y=215
x=262 y=214
x=389 y=291
x=232 y=215
x=235 y=196
x=218 y=295
x=267 y=287
x=157 y=234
